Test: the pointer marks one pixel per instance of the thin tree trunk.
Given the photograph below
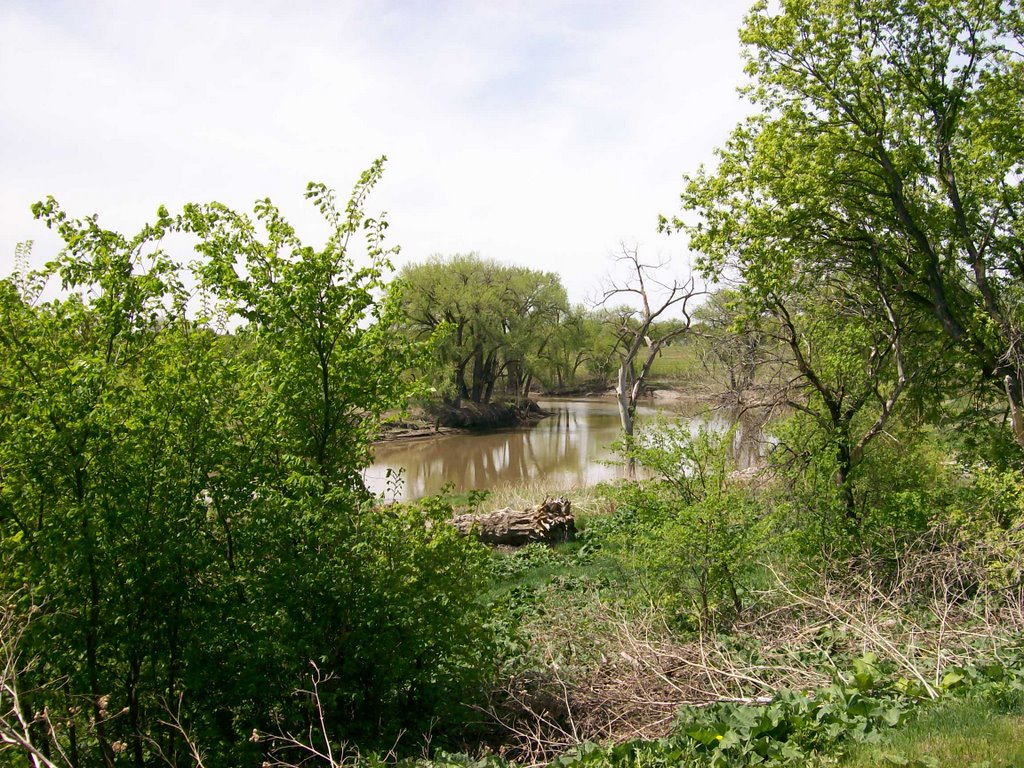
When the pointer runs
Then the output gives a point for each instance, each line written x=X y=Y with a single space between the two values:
x=845 y=462
x=622 y=396
x=478 y=375
x=1015 y=398
x=626 y=413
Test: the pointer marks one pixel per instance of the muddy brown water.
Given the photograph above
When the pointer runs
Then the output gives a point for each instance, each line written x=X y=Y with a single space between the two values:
x=571 y=448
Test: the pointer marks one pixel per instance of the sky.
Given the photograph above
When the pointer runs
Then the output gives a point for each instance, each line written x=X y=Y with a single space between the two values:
x=535 y=132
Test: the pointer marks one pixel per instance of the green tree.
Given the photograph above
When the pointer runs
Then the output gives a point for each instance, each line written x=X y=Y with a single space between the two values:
x=323 y=331
x=370 y=594
x=571 y=348
x=850 y=348
x=851 y=372
x=735 y=344
x=107 y=441
x=497 y=320
x=887 y=146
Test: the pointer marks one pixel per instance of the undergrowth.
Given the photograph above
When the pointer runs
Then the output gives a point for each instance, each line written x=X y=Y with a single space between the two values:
x=861 y=706
x=599 y=669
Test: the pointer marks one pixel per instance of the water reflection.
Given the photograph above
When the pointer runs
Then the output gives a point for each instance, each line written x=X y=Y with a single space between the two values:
x=570 y=448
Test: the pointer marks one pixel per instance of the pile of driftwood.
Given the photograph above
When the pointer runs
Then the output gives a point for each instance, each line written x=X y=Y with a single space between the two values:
x=551 y=522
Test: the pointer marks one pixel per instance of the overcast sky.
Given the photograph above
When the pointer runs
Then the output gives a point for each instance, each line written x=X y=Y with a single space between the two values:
x=539 y=133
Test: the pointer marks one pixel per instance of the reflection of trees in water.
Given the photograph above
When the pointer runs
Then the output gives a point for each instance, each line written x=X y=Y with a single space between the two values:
x=570 y=447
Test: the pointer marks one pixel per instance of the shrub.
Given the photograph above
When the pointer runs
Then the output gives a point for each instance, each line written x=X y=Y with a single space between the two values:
x=696 y=532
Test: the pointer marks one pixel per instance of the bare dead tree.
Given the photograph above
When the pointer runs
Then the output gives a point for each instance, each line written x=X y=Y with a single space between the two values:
x=643 y=325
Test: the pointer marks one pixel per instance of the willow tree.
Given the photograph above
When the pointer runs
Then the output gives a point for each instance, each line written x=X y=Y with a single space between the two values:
x=495 y=320
x=887 y=148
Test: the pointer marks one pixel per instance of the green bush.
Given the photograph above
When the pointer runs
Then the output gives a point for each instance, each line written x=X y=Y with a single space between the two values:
x=899 y=487
x=986 y=522
x=182 y=516
x=694 y=534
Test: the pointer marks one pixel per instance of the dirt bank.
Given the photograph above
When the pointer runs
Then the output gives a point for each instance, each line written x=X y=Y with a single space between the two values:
x=446 y=419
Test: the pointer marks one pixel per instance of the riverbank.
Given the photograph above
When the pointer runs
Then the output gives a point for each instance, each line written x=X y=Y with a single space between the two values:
x=446 y=419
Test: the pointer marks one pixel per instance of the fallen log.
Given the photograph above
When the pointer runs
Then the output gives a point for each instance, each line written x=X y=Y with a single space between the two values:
x=550 y=522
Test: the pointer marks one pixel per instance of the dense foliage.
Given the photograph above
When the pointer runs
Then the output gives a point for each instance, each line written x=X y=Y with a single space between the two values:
x=183 y=524
x=499 y=331
x=695 y=533
x=877 y=193
x=495 y=322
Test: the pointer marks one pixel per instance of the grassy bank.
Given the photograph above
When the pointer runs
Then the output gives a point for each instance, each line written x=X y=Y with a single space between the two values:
x=959 y=734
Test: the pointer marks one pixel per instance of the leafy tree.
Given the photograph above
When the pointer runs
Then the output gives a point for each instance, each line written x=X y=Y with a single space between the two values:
x=107 y=441
x=498 y=320
x=571 y=349
x=316 y=316
x=851 y=349
x=373 y=593
x=851 y=372
x=887 y=147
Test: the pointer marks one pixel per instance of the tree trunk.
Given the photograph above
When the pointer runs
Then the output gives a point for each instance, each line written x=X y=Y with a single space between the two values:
x=478 y=376
x=524 y=390
x=627 y=409
x=844 y=460
x=461 y=388
x=1015 y=397
x=622 y=396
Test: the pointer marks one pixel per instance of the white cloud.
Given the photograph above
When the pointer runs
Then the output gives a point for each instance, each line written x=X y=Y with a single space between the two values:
x=534 y=132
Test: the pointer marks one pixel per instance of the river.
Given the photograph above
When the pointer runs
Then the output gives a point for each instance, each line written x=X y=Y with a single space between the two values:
x=569 y=449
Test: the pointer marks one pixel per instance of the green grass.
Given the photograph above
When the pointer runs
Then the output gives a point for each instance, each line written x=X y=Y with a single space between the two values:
x=682 y=361
x=971 y=733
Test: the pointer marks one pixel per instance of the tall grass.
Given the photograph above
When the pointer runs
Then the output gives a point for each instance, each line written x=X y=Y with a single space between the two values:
x=586 y=500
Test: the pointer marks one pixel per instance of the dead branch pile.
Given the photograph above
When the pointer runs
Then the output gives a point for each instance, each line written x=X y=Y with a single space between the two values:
x=550 y=522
